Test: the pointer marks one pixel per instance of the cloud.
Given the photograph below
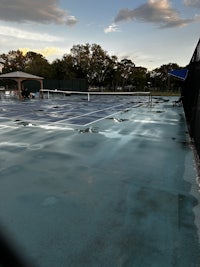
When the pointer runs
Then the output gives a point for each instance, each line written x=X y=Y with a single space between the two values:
x=21 y=34
x=48 y=52
x=41 y=11
x=111 y=28
x=158 y=12
x=192 y=3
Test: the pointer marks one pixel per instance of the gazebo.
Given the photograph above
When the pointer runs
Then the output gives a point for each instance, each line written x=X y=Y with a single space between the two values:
x=19 y=77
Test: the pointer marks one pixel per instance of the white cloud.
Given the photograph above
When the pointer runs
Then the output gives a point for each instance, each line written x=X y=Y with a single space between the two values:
x=20 y=34
x=71 y=20
x=158 y=12
x=111 y=28
x=41 y=11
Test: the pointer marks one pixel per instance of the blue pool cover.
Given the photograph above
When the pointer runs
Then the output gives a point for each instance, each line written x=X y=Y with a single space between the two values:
x=95 y=184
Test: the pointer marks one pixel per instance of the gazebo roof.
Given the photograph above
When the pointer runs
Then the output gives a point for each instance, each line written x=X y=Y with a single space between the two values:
x=20 y=75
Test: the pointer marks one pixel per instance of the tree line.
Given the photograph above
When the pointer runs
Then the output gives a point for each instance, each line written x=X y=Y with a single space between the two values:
x=92 y=63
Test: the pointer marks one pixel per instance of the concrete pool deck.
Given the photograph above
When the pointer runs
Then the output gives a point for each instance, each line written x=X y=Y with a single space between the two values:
x=121 y=191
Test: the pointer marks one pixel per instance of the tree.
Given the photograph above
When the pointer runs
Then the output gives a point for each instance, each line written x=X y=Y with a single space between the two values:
x=36 y=64
x=140 y=78
x=99 y=65
x=91 y=62
x=124 y=71
x=111 y=80
x=63 y=68
x=81 y=60
x=159 y=76
x=13 y=61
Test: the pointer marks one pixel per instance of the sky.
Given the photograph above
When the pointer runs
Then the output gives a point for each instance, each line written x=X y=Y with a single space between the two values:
x=149 y=32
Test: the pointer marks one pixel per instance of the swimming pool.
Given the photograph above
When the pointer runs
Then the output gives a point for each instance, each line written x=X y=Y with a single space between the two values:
x=110 y=183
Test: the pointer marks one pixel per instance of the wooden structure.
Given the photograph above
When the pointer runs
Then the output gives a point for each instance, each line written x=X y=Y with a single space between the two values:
x=19 y=77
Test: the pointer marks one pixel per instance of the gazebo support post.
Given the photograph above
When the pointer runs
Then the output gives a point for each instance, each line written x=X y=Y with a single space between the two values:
x=41 y=93
x=19 y=87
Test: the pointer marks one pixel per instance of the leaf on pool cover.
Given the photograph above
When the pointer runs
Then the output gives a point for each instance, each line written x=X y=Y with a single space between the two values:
x=88 y=130
x=24 y=123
